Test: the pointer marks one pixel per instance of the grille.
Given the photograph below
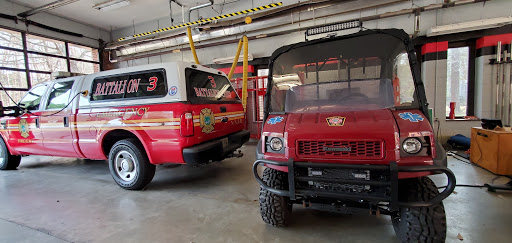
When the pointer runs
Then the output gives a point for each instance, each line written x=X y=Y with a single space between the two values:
x=341 y=149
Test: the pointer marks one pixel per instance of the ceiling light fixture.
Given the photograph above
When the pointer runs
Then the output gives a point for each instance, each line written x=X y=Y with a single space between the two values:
x=469 y=26
x=47 y=7
x=111 y=5
x=225 y=60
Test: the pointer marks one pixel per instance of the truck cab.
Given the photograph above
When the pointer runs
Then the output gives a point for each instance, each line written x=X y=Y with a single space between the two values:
x=135 y=117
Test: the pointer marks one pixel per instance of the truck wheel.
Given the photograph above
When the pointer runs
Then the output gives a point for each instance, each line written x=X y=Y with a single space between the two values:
x=7 y=160
x=419 y=224
x=274 y=209
x=129 y=165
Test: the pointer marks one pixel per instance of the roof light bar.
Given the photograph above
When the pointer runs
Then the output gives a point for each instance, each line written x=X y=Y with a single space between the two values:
x=333 y=27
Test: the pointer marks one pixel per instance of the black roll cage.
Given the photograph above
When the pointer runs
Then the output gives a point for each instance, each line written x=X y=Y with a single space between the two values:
x=397 y=33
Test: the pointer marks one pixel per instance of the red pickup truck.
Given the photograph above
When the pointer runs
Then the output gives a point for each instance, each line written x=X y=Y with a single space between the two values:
x=135 y=117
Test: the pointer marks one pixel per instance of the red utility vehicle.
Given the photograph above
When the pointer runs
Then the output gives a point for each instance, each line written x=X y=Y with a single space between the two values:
x=347 y=128
x=135 y=117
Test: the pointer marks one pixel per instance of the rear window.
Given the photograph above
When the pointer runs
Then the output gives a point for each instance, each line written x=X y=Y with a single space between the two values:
x=207 y=88
x=147 y=84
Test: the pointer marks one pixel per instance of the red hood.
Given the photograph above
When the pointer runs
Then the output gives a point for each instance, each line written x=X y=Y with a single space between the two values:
x=374 y=124
x=370 y=134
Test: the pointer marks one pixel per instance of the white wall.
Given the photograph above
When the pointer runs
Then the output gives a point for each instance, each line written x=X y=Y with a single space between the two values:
x=92 y=33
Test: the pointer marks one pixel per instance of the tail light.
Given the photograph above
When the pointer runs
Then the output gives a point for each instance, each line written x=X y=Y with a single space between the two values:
x=187 y=125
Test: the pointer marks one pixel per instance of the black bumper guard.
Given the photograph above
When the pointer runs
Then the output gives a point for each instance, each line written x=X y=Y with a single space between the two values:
x=392 y=168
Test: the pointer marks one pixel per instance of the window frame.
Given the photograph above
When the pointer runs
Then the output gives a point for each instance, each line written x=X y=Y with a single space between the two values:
x=471 y=44
x=28 y=71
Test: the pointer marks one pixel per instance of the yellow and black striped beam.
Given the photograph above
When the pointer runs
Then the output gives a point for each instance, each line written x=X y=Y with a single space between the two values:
x=203 y=21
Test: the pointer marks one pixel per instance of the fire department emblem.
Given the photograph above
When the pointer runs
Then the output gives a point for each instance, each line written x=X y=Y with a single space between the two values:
x=207 y=120
x=335 y=121
x=23 y=128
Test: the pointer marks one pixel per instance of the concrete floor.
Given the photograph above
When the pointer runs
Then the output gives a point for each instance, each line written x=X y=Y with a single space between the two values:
x=50 y=199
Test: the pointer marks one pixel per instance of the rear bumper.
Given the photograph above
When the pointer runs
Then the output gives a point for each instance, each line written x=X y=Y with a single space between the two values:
x=384 y=186
x=215 y=150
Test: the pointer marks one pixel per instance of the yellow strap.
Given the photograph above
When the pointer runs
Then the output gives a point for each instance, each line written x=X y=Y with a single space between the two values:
x=235 y=61
x=192 y=47
x=246 y=65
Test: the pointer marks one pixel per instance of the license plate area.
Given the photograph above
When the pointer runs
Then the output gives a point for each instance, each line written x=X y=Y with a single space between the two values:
x=340 y=180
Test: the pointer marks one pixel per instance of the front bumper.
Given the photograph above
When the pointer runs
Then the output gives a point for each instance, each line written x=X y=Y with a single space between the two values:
x=215 y=150
x=384 y=185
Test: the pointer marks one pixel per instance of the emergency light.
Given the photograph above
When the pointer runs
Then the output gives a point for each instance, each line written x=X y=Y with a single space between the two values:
x=333 y=27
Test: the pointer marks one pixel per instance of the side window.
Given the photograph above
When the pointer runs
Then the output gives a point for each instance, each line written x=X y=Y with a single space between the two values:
x=59 y=95
x=403 y=83
x=33 y=98
x=130 y=85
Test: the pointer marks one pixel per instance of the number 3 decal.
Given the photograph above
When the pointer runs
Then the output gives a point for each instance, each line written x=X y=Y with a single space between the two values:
x=152 y=82
x=212 y=81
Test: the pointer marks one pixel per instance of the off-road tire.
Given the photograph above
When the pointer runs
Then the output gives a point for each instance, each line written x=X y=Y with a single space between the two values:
x=144 y=172
x=419 y=224
x=274 y=209
x=7 y=160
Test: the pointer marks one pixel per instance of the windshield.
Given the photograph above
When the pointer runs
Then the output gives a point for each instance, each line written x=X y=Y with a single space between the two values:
x=366 y=72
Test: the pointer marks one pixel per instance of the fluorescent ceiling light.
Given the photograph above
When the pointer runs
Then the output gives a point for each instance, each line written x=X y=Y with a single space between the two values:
x=111 y=5
x=47 y=7
x=469 y=26
x=225 y=60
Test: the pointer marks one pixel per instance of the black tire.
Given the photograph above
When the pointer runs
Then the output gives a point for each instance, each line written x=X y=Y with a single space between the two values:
x=274 y=209
x=129 y=165
x=7 y=160
x=419 y=224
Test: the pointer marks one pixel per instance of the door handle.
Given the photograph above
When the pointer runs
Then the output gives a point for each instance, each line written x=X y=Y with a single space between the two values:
x=66 y=121
x=37 y=122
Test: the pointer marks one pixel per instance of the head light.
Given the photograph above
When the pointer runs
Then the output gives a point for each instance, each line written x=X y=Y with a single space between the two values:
x=412 y=145
x=276 y=144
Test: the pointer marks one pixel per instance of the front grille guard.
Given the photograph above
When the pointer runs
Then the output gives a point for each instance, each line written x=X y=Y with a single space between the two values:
x=392 y=168
x=362 y=149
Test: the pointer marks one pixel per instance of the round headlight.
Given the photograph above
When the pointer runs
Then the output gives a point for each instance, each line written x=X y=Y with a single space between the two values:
x=412 y=145
x=276 y=144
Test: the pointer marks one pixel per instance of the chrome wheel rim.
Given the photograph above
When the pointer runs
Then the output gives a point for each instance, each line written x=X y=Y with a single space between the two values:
x=2 y=157
x=125 y=166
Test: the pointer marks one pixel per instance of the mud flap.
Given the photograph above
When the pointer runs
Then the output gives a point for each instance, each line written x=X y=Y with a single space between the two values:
x=440 y=159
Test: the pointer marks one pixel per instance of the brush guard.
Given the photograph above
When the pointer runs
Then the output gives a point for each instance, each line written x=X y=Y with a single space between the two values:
x=390 y=183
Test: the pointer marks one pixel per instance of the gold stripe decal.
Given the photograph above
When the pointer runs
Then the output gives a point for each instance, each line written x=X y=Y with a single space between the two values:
x=272 y=5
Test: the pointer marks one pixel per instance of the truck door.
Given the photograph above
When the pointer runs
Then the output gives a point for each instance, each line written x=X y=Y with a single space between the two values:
x=56 y=127
x=24 y=131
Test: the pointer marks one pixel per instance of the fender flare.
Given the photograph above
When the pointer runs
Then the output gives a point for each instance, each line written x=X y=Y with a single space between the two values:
x=141 y=135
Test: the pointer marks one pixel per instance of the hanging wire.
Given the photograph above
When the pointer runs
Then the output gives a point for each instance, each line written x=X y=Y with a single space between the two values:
x=28 y=112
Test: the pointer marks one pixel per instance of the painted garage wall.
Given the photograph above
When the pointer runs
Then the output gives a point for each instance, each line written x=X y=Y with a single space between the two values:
x=92 y=33
x=433 y=72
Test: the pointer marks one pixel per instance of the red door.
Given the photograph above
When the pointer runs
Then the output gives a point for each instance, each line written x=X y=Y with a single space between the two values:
x=24 y=132
x=55 y=125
